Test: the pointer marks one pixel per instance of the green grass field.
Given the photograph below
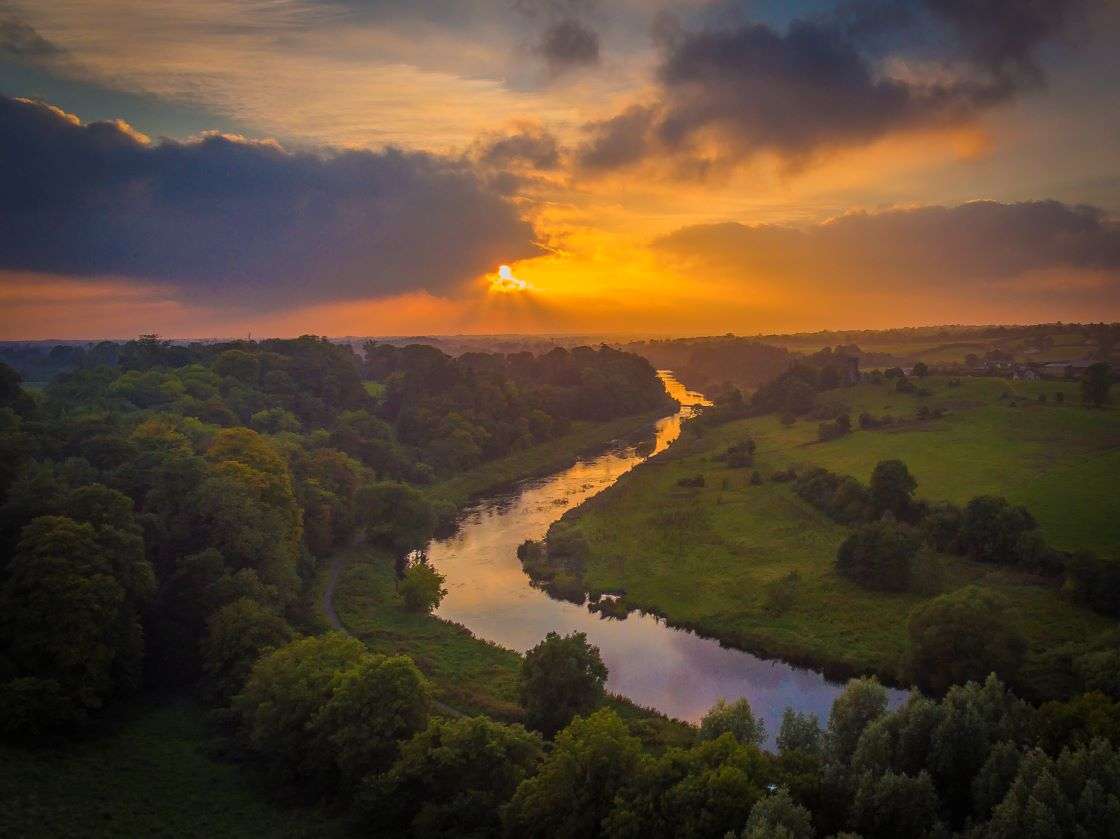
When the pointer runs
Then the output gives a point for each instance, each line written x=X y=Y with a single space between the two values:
x=148 y=774
x=1060 y=461
x=703 y=557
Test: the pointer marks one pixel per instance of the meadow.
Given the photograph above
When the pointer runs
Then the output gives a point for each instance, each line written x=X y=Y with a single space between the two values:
x=703 y=557
x=153 y=769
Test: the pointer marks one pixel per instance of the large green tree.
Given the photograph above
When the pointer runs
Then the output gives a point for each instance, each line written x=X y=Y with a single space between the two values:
x=593 y=759
x=560 y=677
x=453 y=778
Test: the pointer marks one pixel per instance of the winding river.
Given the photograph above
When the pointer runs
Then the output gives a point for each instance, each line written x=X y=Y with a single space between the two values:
x=674 y=671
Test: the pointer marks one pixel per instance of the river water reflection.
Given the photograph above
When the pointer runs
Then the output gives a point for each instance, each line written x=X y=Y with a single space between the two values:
x=675 y=671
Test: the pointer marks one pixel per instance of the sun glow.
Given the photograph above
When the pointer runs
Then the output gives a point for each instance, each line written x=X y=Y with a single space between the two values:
x=505 y=282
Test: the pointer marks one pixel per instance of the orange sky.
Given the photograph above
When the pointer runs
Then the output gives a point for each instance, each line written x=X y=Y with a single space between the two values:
x=730 y=226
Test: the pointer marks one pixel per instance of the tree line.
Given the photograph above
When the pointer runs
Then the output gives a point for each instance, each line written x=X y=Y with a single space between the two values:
x=164 y=507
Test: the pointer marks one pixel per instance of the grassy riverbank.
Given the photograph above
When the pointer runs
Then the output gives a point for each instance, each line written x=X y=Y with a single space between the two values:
x=468 y=674
x=584 y=438
x=703 y=557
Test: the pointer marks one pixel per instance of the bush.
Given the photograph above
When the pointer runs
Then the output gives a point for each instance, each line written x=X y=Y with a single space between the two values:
x=991 y=529
x=963 y=636
x=740 y=455
x=878 y=555
x=561 y=677
x=694 y=481
x=756 y=478
x=837 y=428
x=422 y=588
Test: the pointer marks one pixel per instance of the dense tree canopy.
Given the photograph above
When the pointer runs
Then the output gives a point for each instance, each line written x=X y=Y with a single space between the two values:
x=562 y=676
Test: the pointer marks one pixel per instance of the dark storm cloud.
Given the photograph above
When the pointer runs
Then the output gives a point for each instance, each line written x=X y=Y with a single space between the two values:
x=239 y=221
x=21 y=41
x=567 y=44
x=951 y=248
x=835 y=80
x=527 y=145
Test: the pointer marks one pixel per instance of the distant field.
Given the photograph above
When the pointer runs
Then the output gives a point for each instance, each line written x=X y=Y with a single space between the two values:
x=151 y=776
x=1060 y=461
x=702 y=557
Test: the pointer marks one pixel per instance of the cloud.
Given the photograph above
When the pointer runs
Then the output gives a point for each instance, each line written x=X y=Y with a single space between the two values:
x=567 y=44
x=972 y=248
x=527 y=145
x=23 y=42
x=240 y=222
x=846 y=78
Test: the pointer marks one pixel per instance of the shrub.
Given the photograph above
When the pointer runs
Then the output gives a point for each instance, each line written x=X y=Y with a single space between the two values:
x=422 y=589
x=756 y=478
x=991 y=529
x=740 y=455
x=878 y=555
x=963 y=636
x=892 y=488
x=693 y=481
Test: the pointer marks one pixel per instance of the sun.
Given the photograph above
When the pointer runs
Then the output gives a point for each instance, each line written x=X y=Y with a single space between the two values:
x=504 y=282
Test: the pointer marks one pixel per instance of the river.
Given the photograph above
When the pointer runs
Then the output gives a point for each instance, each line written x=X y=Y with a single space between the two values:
x=674 y=671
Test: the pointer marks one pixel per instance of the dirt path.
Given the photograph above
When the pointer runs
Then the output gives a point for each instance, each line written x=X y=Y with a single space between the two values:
x=336 y=623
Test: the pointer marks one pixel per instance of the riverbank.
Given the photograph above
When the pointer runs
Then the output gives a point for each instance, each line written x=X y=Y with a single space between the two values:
x=468 y=674
x=584 y=438
x=706 y=558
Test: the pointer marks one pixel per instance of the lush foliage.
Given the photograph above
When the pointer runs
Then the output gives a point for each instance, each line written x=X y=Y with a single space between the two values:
x=562 y=676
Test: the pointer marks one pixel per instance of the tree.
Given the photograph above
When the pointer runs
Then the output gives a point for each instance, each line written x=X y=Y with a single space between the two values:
x=878 y=555
x=422 y=588
x=560 y=677
x=68 y=617
x=778 y=816
x=593 y=760
x=892 y=488
x=705 y=790
x=236 y=636
x=862 y=702
x=921 y=370
x=284 y=692
x=799 y=733
x=991 y=529
x=395 y=515
x=453 y=778
x=1096 y=384
x=374 y=704
x=735 y=719
x=893 y=805
x=963 y=636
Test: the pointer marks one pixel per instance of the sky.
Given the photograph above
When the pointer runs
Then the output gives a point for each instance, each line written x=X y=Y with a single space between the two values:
x=210 y=168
